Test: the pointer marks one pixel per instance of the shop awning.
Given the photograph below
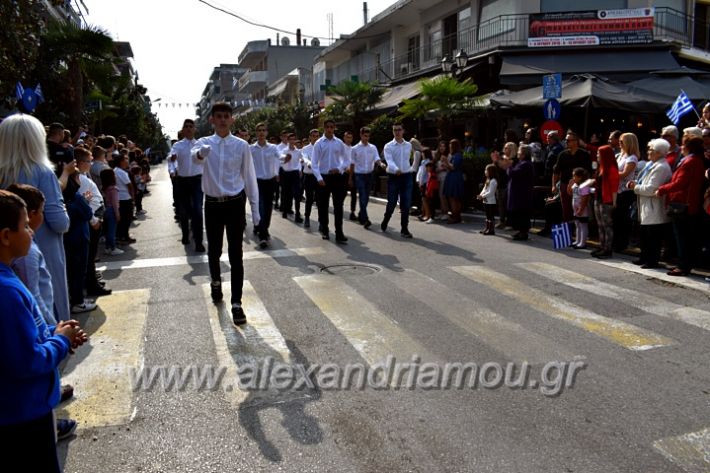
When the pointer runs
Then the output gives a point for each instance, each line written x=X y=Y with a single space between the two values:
x=278 y=89
x=672 y=85
x=526 y=69
x=395 y=95
x=587 y=90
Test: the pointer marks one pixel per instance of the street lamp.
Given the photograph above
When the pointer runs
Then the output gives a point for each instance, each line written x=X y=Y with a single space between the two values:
x=454 y=66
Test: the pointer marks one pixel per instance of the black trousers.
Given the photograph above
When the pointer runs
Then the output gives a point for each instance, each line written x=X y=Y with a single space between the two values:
x=335 y=185
x=310 y=185
x=229 y=216
x=519 y=219
x=190 y=198
x=686 y=229
x=91 y=281
x=353 y=194
x=291 y=191
x=37 y=437
x=651 y=239
x=267 y=188
x=125 y=208
x=622 y=219
x=77 y=253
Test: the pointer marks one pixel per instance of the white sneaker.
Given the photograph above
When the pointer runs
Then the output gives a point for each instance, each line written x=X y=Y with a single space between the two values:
x=114 y=252
x=141 y=212
x=429 y=220
x=86 y=306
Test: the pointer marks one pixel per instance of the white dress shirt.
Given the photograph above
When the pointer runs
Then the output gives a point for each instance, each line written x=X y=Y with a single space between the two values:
x=186 y=166
x=172 y=166
x=229 y=170
x=294 y=163
x=364 y=157
x=122 y=182
x=266 y=160
x=306 y=153
x=397 y=156
x=329 y=154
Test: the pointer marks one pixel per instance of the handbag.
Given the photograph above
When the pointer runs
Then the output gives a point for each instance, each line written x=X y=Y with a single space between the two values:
x=676 y=209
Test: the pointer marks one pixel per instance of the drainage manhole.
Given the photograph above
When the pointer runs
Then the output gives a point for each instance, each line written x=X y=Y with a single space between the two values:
x=354 y=269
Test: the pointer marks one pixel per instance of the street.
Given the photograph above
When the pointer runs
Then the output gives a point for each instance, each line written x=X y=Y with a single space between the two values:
x=618 y=375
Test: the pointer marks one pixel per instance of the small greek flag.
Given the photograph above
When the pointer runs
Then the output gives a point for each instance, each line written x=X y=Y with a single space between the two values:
x=681 y=106
x=561 y=237
x=39 y=94
x=19 y=91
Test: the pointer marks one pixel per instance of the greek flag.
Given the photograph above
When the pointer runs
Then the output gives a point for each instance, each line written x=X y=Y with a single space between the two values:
x=561 y=237
x=39 y=94
x=19 y=91
x=681 y=106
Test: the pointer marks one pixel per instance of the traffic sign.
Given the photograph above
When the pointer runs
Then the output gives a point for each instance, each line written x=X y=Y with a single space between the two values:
x=552 y=110
x=548 y=126
x=552 y=86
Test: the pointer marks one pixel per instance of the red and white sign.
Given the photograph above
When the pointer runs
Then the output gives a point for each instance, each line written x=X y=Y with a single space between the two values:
x=548 y=126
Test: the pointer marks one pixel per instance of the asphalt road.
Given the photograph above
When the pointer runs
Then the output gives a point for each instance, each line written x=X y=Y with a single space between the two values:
x=632 y=346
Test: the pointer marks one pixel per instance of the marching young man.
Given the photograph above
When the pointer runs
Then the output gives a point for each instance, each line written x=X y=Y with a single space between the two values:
x=227 y=181
x=266 y=164
x=399 y=178
x=309 y=179
x=329 y=162
x=364 y=158
x=189 y=186
x=291 y=179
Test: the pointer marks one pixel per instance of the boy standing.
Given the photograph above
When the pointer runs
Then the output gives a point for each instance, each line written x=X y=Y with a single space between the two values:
x=30 y=351
x=228 y=179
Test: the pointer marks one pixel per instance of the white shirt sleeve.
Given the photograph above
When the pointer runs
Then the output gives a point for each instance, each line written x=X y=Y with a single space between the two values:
x=250 y=185
x=391 y=166
x=315 y=161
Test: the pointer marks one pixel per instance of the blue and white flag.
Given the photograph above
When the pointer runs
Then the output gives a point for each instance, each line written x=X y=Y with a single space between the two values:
x=561 y=237
x=39 y=94
x=19 y=91
x=681 y=106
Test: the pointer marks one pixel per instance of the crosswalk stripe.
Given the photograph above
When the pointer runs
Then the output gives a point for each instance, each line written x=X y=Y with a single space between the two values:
x=691 y=452
x=103 y=393
x=374 y=335
x=499 y=333
x=646 y=302
x=251 y=344
x=621 y=333
x=689 y=282
x=199 y=259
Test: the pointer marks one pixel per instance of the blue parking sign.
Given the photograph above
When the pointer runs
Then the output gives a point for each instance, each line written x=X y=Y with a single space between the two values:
x=552 y=86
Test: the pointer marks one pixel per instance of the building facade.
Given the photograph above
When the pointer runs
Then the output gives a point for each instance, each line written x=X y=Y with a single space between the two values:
x=221 y=87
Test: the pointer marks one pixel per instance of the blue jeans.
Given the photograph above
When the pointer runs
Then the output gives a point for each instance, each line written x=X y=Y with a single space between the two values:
x=110 y=228
x=399 y=187
x=363 y=184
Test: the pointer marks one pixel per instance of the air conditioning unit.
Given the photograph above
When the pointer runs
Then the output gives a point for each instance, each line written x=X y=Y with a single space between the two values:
x=405 y=68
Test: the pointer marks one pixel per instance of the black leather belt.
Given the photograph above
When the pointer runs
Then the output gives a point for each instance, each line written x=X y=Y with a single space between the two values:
x=209 y=198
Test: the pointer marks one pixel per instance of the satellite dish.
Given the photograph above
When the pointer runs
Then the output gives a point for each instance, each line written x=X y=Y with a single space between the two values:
x=285 y=41
x=315 y=42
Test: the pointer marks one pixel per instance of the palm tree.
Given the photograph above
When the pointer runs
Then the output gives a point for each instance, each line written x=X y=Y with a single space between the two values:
x=445 y=96
x=81 y=60
x=351 y=102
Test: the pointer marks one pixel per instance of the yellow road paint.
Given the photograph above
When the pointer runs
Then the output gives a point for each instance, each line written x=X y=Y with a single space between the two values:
x=99 y=371
x=644 y=301
x=499 y=333
x=374 y=335
x=691 y=452
x=621 y=333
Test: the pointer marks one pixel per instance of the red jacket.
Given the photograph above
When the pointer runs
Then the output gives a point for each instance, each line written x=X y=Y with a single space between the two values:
x=686 y=185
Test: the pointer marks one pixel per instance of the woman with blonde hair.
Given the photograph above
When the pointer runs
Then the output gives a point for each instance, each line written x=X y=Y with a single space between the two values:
x=627 y=162
x=23 y=160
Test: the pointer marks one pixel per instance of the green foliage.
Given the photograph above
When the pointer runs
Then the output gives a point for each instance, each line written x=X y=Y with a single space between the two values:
x=296 y=118
x=351 y=102
x=446 y=96
x=381 y=131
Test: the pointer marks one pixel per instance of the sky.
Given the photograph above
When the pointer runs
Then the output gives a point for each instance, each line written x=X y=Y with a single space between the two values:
x=176 y=43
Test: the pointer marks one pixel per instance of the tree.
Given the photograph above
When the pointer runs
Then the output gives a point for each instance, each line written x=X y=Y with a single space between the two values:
x=446 y=96
x=19 y=46
x=351 y=102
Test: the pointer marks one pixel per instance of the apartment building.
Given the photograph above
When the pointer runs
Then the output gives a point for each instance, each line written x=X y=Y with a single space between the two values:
x=221 y=87
x=410 y=39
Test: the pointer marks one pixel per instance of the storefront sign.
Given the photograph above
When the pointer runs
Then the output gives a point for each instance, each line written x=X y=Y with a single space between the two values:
x=591 y=28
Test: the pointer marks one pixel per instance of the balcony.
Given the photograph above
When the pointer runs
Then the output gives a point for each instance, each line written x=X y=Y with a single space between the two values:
x=253 y=53
x=511 y=31
x=253 y=80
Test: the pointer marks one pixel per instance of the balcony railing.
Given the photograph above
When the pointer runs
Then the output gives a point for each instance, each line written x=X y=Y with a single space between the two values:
x=509 y=31
x=252 y=79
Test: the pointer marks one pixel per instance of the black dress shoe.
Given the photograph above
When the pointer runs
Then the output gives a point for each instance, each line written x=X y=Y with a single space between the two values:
x=199 y=248
x=307 y=223
x=325 y=236
x=638 y=262
x=383 y=226
x=650 y=266
x=603 y=255
x=298 y=219
x=406 y=234
x=340 y=238
x=216 y=291
x=284 y=215
x=353 y=217
x=367 y=225
x=98 y=291
x=238 y=316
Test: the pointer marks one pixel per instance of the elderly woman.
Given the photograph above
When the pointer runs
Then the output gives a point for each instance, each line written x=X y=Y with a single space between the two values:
x=684 y=193
x=521 y=175
x=23 y=160
x=652 y=211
